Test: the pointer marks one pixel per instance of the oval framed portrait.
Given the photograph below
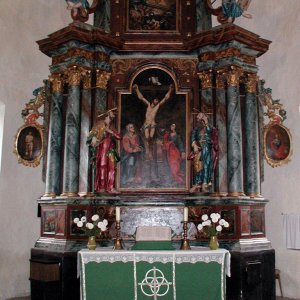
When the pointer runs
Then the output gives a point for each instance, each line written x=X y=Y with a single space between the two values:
x=277 y=144
x=29 y=145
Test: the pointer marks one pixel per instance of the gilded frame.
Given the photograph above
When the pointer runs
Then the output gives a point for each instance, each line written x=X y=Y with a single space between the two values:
x=164 y=120
x=277 y=144
x=29 y=144
x=151 y=16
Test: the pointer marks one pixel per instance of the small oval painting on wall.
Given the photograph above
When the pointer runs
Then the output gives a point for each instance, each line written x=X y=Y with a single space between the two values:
x=277 y=143
x=29 y=145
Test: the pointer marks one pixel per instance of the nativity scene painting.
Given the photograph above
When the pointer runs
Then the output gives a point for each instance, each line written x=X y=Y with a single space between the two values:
x=153 y=127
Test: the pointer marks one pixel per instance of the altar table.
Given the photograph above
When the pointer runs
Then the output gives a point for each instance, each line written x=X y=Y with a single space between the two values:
x=167 y=275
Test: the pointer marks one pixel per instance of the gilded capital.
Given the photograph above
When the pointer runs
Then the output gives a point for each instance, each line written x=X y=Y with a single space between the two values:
x=251 y=83
x=233 y=76
x=102 y=78
x=74 y=76
x=206 y=79
x=87 y=80
x=57 y=83
x=220 y=81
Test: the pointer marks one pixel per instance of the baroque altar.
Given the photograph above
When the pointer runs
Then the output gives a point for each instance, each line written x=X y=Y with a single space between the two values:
x=151 y=109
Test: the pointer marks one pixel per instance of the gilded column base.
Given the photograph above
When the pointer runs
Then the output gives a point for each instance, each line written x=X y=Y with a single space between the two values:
x=86 y=194
x=235 y=194
x=49 y=195
x=69 y=194
x=219 y=194
x=254 y=195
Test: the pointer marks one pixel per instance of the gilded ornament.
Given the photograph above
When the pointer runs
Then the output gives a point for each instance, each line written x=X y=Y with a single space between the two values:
x=74 y=76
x=206 y=79
x=233 y=76
x=87 y=80
x=251 y=83
x=57 y=83
x=220 y=81
x=102 y=78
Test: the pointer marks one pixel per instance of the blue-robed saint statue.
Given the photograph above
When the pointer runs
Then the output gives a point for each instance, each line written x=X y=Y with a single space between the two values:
x=204 y=142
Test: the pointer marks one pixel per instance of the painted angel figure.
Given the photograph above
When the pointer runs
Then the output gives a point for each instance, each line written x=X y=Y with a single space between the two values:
x=80 y=9
x=229 y=10
x=75 y=5
x=235 y=8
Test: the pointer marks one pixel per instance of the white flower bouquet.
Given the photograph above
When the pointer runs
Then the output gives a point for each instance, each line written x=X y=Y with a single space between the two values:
x=93 y=228
x=212 y=225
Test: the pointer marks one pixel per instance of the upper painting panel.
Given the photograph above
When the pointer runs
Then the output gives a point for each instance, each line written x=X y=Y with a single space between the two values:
x=152 y=16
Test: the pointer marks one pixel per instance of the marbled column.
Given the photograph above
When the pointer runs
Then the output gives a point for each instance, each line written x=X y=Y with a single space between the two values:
x=53 y=178
x=252 y=175
x=206 y=78
x=261 y=128
x=86 y=117
x=102 y=78
x=72 y=134
x=234 y=134
x=221 y=116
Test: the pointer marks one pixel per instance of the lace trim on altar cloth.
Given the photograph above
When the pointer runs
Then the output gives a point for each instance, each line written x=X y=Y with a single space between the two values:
x=164 y=257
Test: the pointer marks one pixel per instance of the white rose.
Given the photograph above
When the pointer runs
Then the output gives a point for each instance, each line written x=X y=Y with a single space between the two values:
x=212 y=216
x=76 y=220
x=222 y=222
x=218 y=216
x=100 y=224
x=103 y=228
x=95 y=218
x=219 y=228
x=214 y=220
x=83 y=219
x=226 y=224
x=208 y=222
x=204 y=217
x=200 y=227
x=79 y=224
x=105 y=222
x=89 y=225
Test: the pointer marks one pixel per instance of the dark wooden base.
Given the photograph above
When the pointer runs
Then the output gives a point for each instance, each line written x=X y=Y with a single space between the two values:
x=53 y=275
x=252 y=276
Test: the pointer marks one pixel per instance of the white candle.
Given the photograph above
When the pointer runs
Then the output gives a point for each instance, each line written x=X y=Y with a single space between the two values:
x=185 y=214
x=118 y=213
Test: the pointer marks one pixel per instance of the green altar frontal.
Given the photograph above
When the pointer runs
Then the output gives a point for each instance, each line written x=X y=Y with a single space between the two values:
x=137 y=275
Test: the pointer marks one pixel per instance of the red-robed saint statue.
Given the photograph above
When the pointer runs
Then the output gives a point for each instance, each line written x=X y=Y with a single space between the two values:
x=102 y=140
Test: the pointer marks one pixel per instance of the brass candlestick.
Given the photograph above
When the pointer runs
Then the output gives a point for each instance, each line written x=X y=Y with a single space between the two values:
x=118 y=242
x=185 y=245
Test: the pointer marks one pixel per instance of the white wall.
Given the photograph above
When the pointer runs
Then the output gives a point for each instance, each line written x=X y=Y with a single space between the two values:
x=279 y=21
x=23 y=68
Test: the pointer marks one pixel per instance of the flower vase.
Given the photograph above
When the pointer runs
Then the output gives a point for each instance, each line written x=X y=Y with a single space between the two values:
x=92 y=243
x=213 y=243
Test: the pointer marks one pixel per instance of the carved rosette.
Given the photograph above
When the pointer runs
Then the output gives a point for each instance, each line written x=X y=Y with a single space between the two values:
x=102 y=78
x=233 y=76
x=206 y=79
x=251 y=83
x=74 y=76
x=57 y=83
x=87 y=79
